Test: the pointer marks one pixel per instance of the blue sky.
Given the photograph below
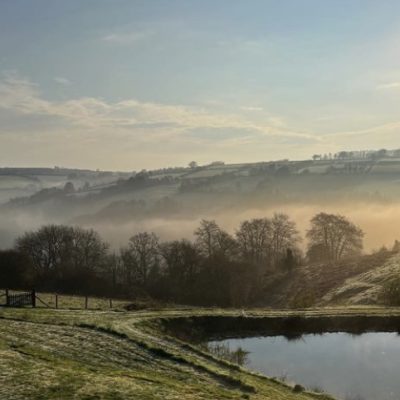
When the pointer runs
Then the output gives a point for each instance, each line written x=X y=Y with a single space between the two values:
x=141 y=84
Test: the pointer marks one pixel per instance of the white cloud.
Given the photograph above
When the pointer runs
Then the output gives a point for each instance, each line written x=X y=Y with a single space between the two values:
x=134 y=134
x=22 y=96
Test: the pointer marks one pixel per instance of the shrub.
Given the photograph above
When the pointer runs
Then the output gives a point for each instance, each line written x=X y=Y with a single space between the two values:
x=298 y=389
x=303 y=299
x=391 y=293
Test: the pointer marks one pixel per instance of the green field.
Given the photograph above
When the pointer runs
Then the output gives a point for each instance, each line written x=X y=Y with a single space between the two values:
x=16 y=182
x=77 y=354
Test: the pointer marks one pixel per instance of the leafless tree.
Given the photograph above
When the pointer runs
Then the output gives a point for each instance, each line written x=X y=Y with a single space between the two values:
x=88 y=251
x=180 y=263
x=254 y=240
x=141 y=256
x=211 y=240
x=335 y=236
x=284 y=236
x=266 y=241
x=48 y=248
x=64 y=252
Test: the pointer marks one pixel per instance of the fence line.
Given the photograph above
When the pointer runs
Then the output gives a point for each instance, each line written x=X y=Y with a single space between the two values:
x=24 y=298
x=21 y=299
x=38 y=298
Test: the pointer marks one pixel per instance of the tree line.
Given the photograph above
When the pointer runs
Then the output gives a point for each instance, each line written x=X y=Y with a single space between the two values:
x=215 y=268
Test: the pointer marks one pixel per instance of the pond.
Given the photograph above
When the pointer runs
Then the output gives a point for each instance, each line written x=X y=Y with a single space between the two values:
x=351 y=367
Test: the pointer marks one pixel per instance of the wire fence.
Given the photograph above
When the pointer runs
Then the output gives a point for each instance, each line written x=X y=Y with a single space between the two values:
x=19 y=298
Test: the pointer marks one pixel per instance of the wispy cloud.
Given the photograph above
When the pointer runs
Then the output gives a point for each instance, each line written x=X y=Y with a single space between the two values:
x=147 y=130
x=127 y=38
x=247 y=47
x=389 y=85
x=251 y=108
x=374 y=130
x=22 y=96
x=62 y=81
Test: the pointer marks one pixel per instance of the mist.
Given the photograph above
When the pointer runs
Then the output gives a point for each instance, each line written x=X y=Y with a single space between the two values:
x=379 y=221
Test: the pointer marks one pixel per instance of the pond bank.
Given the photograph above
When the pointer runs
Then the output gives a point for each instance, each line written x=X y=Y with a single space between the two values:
x=73 y=354
x=214 y=327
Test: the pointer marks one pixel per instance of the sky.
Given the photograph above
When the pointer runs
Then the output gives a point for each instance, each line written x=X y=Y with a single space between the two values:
x=129 y=84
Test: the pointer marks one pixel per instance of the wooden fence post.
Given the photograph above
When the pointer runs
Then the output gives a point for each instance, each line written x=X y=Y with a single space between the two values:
x=56 y=301
x=33 y=298
x=86 y=302
x=7 y=298
x=110 y=303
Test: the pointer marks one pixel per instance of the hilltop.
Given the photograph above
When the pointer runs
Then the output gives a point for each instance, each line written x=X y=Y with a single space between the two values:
x=118 y=204
x=199 y=178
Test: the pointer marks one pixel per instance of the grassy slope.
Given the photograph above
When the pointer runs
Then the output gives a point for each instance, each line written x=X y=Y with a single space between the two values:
x=346 y=283
x=72 y=354
x=366 y=287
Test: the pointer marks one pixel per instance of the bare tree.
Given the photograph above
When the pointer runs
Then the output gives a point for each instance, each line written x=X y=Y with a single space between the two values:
x=211 y=240
x=88 y=251
x=335 y=236
x=266 y=241
x=284 y=237
x=66 y=255
x=141 y=256
x=254 y=239
x=48 y=248
x=180 y=265
x=180 y=257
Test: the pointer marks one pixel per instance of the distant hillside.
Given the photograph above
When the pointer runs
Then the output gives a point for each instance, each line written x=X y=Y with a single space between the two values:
x=25 y=182
x=217 y=176
x=171 y=201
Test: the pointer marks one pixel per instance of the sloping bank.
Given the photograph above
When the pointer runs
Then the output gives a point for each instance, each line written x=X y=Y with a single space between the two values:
x=66 y=354
x=181 y=329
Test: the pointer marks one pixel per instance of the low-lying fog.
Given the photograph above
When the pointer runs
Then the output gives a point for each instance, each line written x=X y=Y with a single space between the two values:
x=380 y=222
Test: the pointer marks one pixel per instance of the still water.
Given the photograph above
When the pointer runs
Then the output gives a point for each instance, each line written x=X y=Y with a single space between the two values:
x=362 y=367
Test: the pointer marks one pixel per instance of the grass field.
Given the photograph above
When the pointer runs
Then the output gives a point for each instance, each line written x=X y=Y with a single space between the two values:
x=95 y=354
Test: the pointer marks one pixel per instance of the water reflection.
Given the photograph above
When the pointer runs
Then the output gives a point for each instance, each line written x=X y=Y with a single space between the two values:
x=352 y=367
x=223 y=350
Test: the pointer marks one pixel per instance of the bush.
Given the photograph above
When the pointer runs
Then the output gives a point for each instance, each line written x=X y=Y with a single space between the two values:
x=391 y=293
x=303 y=299
x=298 y=389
